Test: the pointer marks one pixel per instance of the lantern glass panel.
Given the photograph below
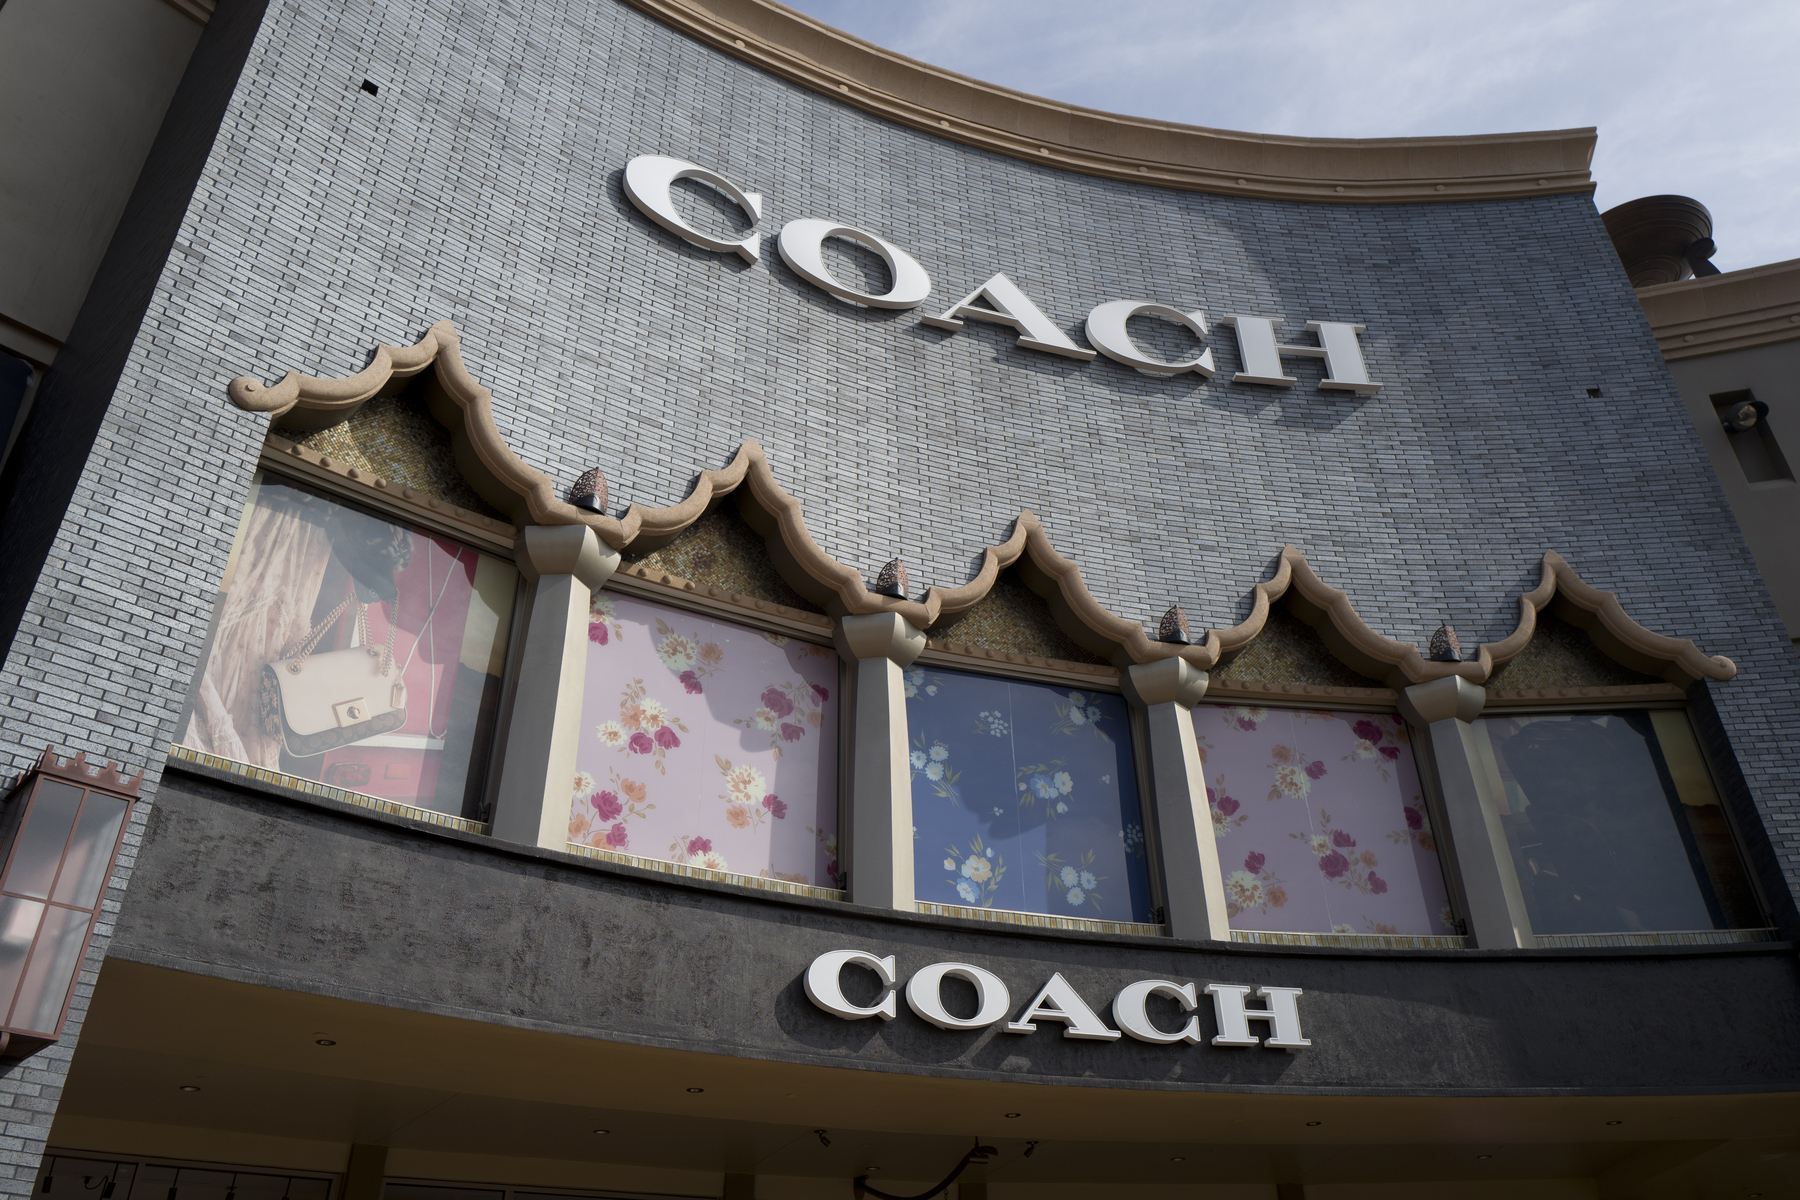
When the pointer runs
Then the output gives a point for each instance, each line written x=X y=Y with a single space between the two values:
x=90 y=851
x=39 y=848
x=19 y=920
x=54 y=961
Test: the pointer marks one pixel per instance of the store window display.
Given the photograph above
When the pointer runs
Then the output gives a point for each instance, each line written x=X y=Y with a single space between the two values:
x=1025 y=798
x=707 y=743
x=356 y=650
x=1321 y=823
x=1614 y=824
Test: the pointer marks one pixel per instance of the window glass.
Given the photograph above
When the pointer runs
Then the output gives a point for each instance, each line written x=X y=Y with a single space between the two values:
x=707 y=743
x=356 y=651
x=1321 y=823
x=1024 y=797
x=1614 y=825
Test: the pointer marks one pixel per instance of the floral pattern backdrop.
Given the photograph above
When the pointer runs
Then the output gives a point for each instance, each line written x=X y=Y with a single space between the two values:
x=1024 y=798
x=1321 y=823
x=707 y=743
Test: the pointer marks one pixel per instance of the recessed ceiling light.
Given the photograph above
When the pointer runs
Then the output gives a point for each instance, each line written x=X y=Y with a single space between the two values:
x=696 y=1089
x=1312 y=1123
x=602 y=1131
x=871 y=1168
x=188 y=1087
x=1484 y=1156
x=1178 y=1158
x=1615 y=1122
x=324 y=1042
x=1012 y=1114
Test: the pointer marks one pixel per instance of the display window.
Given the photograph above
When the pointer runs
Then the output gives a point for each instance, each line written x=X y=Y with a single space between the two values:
x=356 y=650
x=707 y=743
x=1321 y=823
x=1614 y=824
x=1025 y=798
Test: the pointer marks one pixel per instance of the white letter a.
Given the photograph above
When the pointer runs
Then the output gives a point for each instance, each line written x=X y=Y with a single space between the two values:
x=1061 y=1002
x=1006 y=305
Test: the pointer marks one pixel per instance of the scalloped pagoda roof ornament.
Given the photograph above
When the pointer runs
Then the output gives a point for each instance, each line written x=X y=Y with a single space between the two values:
x=892 y=581
x=589 y=491
x=529 y=496
x=1174 y=627
x=1444 y=645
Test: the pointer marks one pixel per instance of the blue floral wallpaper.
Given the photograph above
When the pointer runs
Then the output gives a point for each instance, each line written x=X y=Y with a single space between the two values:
x=1025 y=798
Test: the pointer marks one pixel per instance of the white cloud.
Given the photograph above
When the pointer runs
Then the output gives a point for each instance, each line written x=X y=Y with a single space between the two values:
x=1700 y=100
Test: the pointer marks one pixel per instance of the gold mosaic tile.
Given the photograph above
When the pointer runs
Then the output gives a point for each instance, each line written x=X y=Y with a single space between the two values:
x=1288 y=650
x=1013 y=619
x=397 y=438
x=722 y=550
x=1559 y=655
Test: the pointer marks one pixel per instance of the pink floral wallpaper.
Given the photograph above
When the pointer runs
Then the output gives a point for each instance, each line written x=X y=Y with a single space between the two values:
x=1320 y=822
x=707 y=743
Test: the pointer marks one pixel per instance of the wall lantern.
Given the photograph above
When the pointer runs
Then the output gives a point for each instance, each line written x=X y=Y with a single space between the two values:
x=61 y=831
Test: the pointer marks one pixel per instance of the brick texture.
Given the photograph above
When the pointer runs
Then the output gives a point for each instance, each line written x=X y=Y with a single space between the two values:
x=482 y=185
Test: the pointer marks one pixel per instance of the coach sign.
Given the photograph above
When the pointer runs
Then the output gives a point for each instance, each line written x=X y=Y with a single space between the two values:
x=1058 y=1001
x=998 y=301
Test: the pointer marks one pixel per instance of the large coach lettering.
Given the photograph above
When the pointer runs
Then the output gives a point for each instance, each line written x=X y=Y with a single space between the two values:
x=1002 y=303
x=647 y=181
x=1260 y=355
x=1058 y=1001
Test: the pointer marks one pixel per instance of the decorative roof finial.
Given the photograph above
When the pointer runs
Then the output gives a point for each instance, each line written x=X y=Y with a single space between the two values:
x=589 y=491
x=1174 y=627
x=1444 y=646
x=892 y=580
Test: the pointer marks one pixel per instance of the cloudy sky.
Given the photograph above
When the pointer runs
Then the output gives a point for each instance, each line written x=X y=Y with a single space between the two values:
x=1697 y=99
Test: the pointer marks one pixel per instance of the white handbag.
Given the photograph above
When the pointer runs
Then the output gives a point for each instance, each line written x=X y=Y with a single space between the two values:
x=319 y=702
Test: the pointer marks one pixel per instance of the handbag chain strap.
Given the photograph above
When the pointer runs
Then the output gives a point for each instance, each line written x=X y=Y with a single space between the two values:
x=302 y=650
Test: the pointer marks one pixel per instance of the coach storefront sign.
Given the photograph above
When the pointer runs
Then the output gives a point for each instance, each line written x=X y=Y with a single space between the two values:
x=1058 y=1002
x=999 y=301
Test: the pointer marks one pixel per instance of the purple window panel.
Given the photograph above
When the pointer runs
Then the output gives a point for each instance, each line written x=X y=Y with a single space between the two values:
x=707 y=743
x=1321 y=823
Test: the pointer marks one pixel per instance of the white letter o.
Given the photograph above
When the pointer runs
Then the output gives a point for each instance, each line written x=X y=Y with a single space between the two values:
x=802 y=247
x=924 y=995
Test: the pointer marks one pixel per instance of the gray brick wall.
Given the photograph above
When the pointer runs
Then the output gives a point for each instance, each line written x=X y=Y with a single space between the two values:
x=482 y=185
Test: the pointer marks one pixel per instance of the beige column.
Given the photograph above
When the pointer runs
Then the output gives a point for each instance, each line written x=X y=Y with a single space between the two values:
x=880 y=859
x=1481 y=866
x=1193 y=884
x=564 y=565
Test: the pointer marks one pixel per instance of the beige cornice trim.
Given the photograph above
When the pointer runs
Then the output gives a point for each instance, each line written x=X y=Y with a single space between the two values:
x=1329 y=611
x=635 y=579
x=1251 y=691
x=1758 y=306
x=1581 y=604
x=528 y=495
x=956 y=107
x=300 y=462
x=1583 y=697
x=964 y=657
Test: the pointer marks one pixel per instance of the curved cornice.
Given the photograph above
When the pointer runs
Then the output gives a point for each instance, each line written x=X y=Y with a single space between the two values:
x=956 y=107
x=529 y=496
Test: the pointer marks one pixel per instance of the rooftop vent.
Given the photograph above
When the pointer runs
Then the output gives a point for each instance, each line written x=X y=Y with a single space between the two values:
x=1662 y=239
